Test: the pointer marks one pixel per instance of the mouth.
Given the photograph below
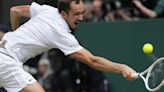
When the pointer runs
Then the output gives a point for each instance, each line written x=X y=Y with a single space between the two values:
x=76 y=23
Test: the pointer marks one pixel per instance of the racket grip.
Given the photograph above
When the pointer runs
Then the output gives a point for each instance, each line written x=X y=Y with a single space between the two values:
x=135 y=75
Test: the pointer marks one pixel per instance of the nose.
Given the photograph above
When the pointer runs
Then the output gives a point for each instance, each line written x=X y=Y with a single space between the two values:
x=81 y=17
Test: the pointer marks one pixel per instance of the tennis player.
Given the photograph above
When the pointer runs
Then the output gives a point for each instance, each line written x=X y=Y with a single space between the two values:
x=47 y=28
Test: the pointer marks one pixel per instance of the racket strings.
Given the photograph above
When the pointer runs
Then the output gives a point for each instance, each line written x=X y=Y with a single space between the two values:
x=156 y=75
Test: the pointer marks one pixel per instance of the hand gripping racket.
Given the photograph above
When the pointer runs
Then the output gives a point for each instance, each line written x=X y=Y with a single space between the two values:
x=153 y=76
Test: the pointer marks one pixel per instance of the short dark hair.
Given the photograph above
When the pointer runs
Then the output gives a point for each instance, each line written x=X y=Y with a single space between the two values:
x=64 y=5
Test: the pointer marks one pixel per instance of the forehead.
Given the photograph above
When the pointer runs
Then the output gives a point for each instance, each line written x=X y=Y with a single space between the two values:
x=80 y=7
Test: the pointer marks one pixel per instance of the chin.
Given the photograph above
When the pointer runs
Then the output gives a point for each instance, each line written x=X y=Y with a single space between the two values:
x=73 y=28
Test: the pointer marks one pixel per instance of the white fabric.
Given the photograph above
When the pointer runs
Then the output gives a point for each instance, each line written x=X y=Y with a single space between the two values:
x=45 y=30
x=12 y=76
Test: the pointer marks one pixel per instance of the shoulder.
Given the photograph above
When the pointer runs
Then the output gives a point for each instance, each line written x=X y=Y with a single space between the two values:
x=44 y=6
x=36 y=9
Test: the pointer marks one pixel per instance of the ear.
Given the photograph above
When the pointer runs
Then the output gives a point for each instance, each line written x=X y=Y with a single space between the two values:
x=63 y=14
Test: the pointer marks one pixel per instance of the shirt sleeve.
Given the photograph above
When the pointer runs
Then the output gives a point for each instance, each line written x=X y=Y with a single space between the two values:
x=65 y=41
x=35 y=9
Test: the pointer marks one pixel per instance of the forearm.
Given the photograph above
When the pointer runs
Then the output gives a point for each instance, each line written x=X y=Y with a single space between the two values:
x=148 y=12
x=16 y=13
x=102 y=64
x=105 y=65
x=14 y=19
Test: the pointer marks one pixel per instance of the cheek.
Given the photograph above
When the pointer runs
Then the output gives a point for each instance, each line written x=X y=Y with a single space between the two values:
x=74 y=17
x=71 y=20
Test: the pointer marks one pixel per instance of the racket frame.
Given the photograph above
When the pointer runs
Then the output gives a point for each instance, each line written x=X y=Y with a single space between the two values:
x=148 y=71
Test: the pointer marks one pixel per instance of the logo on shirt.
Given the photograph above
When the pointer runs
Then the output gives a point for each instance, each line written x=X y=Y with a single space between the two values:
x=74 y=45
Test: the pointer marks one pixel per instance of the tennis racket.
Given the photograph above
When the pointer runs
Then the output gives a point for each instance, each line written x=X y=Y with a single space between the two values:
x=153 y=76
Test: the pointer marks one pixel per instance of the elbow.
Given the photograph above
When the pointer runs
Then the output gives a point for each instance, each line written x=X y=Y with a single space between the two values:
x=14 y=11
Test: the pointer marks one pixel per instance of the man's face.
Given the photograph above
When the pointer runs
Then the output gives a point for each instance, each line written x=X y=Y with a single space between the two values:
x=75 y=14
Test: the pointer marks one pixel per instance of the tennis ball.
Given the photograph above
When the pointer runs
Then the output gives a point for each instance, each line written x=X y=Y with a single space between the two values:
x=148 y=48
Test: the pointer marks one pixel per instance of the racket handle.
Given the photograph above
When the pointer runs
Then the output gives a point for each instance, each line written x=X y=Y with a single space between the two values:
x=135 y=75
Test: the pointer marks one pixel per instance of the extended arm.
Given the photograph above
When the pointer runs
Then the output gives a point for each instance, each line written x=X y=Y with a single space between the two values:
x=102 y=64
x=146 y=11
x=16 y=13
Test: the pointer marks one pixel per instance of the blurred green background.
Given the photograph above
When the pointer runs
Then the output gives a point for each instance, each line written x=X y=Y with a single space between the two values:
x=122 y=42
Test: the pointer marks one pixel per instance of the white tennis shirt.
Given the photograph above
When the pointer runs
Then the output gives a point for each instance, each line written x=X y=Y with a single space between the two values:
x=45 y=30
